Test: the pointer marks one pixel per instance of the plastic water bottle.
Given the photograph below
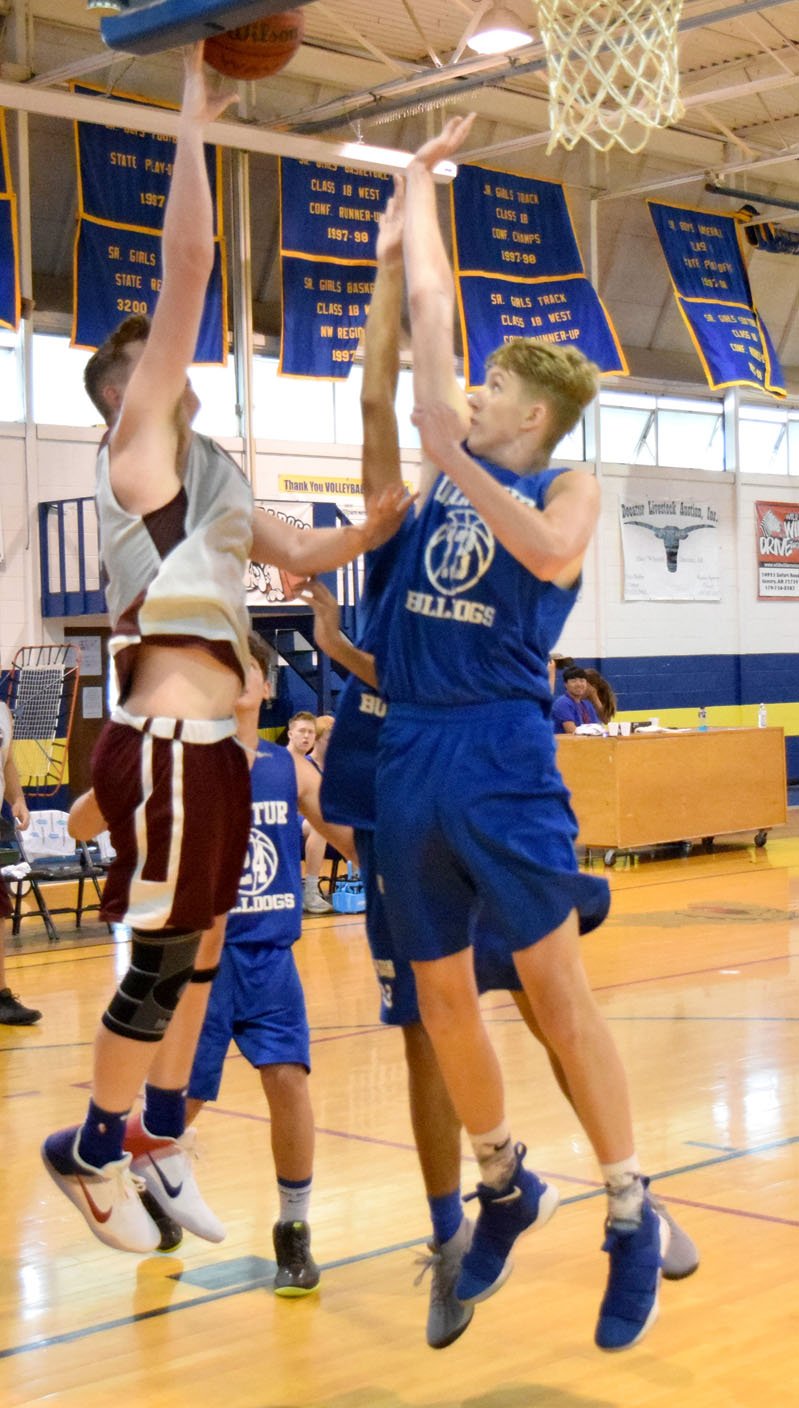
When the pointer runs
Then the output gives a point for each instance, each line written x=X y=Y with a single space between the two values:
x=702 y=720
x=762 y=717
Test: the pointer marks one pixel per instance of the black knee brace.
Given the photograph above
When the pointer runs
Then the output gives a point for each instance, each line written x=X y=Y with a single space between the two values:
x=161 y=964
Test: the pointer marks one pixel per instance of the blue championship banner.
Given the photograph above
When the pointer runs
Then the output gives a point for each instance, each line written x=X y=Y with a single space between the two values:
x=520 y=272
x=328 y=234
x=9 y=248
x=713 y=294
x=123 y=184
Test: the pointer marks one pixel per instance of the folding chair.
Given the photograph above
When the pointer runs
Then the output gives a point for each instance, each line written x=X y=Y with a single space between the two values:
x=54 y=859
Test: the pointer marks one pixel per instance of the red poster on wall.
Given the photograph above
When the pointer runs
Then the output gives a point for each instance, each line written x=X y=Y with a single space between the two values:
x=777 y=551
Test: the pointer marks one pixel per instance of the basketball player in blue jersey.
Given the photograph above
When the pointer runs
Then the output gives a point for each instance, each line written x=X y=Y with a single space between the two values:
x=474 y=821
x=257 y=999
x=177 y=527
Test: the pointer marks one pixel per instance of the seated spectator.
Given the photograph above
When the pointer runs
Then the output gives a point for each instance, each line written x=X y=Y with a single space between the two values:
x=602 y=695
x=12 y=1012
x=572 y=709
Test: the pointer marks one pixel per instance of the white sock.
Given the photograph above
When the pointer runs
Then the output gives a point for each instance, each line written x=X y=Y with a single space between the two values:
x=295 y=1200
x=495 y=1155
x=625 y=1190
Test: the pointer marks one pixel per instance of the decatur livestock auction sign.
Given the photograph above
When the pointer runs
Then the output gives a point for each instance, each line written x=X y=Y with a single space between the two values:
x=777 y=551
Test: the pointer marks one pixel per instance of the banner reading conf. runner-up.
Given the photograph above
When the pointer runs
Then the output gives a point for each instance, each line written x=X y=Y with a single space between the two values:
x=328 y=233
x=520 y=273
x=123 y=184
x=714 y=296
x=9 y=260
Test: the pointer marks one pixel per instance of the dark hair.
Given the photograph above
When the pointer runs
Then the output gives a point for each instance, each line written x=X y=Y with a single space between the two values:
x=605 y=694
x=260 y=652
x=107 y=362
x=574 y=672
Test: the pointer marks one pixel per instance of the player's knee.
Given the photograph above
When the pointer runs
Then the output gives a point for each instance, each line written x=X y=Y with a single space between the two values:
x=283 y=1078
x=160 y=967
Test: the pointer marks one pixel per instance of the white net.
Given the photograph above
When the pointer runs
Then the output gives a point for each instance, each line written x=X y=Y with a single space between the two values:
x=612 y=70
x=41 y=694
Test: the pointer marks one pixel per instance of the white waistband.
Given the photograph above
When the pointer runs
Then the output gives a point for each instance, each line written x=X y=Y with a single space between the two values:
x=186 y=730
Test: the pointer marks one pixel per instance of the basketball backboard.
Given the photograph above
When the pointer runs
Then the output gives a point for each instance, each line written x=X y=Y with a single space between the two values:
x=148 y=26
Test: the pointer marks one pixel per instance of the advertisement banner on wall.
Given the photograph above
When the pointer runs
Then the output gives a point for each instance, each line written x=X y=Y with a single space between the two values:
x=266 y=585
x=670 y=549
x=777 y=527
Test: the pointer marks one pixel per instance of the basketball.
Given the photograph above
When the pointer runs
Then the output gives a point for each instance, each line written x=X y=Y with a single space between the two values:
x=256 y=50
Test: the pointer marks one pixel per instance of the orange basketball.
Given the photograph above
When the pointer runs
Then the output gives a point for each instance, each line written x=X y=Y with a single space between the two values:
x=258 y=49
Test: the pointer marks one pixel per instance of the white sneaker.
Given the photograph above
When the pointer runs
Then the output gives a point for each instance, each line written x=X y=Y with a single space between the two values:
x=166 y=1168
x=108 y=1197
x=313 y=901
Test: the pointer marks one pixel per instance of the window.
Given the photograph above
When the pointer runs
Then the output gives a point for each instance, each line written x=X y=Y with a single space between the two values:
x=690 y=434
x=291 y=408
x=216 y=388
x=763 y=440
x=11 y=407
x=628 y=428
x=59 y=397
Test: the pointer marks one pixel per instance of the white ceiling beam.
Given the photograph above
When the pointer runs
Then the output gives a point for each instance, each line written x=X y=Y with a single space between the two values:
x=238 y=136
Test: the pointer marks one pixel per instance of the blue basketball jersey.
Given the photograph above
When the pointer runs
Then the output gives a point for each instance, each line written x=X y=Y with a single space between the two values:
x=269 y=903
x=348 y=781
x=469 y=624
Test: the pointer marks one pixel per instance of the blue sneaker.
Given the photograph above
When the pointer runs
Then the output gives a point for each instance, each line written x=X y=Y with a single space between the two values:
x=504 y=1216
x=630 y=1303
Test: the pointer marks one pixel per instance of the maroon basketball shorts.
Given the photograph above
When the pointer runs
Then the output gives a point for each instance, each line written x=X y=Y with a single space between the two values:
x=6 y=909
x=175 y=794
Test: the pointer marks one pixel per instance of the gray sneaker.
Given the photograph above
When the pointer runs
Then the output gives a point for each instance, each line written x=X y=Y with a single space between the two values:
x=681 y=1258
x=313 y=901
x=447 y=1317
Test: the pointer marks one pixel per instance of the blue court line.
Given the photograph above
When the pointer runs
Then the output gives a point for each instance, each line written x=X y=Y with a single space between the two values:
x=70 y=1336
x=702 y=1144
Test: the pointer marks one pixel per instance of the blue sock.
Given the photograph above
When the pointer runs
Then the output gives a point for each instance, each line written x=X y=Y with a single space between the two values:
x=446 y=1214
x=164 y=1115
x=101 y=1136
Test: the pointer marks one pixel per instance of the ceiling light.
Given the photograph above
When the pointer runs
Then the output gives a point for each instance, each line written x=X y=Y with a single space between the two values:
x=498 y=32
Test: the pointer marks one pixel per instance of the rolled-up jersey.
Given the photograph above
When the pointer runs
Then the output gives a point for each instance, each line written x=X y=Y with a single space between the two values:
x=268 y=907
x=469 y=624
x=176 y=576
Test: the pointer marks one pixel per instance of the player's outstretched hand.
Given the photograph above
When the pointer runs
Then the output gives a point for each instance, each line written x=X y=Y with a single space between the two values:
x=199 y=105
x=449 y=140
x=384 y=516
x=392 y=221
x=327 y=616
x=441 y=431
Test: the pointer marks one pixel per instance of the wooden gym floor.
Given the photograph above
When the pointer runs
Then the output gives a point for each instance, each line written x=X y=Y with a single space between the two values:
x=696 y=971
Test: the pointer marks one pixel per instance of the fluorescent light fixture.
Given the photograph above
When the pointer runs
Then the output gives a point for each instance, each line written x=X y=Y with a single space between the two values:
x=107 y=4
x=498 y=32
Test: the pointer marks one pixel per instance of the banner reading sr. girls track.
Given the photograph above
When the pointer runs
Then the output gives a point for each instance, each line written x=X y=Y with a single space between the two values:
x=713 y=294
x=328 y=233
x=670 y=548
x=777 y=551
x=123 y=184
x=520 y=272
x=9 y=249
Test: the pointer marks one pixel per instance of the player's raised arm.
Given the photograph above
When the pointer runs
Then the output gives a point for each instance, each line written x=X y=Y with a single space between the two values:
x=329 y=637
x=431 y=290
x=380 y=458
x=144 y=444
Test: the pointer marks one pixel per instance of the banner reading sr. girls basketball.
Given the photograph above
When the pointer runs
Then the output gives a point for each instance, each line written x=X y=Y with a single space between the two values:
x=328 y=234
x=520 y=272
x=9 y=257
x=713 y=294
x=777 y=551
x=123 y=184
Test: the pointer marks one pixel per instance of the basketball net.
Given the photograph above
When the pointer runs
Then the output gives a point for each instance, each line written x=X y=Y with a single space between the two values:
x=612 y=70
x=41 y=691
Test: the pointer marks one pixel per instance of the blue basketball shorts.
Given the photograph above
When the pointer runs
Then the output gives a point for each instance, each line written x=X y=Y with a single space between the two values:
x=399 y=1006
x=474 y=822
x=257 y=1002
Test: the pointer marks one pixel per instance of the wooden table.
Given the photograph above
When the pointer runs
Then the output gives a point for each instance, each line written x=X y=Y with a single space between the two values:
x=650 y=789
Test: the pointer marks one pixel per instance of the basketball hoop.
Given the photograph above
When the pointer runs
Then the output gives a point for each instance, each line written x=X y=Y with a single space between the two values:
x=612 y=70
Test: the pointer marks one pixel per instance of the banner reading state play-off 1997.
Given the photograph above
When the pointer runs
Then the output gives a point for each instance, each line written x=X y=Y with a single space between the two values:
x=777 y=550
x=670 y=547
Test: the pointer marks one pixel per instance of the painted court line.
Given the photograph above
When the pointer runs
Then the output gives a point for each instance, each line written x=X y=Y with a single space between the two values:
x=70 y=1336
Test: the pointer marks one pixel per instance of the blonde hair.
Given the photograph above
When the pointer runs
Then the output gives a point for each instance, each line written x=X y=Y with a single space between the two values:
x=324 y=723
x=565 y=379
